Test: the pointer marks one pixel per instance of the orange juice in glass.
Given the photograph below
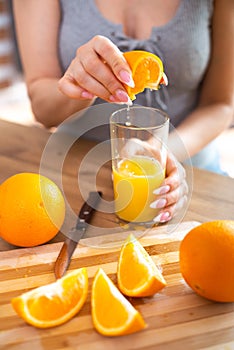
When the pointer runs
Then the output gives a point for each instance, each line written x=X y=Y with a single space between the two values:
x=138 y=142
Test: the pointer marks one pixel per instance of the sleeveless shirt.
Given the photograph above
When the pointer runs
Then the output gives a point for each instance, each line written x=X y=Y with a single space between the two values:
x=183 y=44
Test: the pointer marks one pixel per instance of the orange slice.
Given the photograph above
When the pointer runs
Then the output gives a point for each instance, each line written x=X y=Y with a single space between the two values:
x=112 y=313
x=147 y=72
x=55 y=303
x=137 y=274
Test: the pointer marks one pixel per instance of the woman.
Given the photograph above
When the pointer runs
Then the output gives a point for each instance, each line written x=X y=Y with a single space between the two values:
x=77 y=46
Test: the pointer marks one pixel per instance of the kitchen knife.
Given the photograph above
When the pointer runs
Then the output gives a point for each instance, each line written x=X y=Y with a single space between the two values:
x=75 y=234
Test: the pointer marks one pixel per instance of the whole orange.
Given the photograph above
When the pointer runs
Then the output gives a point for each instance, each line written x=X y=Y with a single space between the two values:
x=32 y=209
x=207 y=260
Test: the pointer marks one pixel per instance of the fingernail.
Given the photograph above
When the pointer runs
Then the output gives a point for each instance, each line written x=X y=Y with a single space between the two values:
x=162 y=217
x=123 y=96
x=115 y=100
x=86 y=94
x=126 y=78
x=160 y=203
x=162 y=190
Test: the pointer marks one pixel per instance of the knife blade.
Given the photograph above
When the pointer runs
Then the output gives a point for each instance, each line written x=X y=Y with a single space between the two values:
x=76 y=233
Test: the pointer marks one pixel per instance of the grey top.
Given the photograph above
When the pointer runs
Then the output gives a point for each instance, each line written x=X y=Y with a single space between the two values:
x=183 y=44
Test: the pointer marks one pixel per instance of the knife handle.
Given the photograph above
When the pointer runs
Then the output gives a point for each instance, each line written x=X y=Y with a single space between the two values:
x=90 y=205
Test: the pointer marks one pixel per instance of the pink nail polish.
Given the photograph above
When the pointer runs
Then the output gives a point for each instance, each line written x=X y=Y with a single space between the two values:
x=165 y=217
x=113 y=98
x=162 y=190
x=126 y=78
x=86 y=94
x=160 y=203
x=116 y=100
x=122 y=96
x=162 y=217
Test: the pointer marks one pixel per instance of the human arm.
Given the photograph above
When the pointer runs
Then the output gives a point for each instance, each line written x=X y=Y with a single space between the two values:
x=37 y=38
x=215 y=109
x=37 y=25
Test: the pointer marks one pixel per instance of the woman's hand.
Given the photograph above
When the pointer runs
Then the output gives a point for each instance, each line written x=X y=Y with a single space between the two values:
x=172 y=195
x=98 y=70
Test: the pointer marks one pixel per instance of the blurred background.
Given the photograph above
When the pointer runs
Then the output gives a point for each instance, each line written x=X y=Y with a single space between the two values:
x=14 y=102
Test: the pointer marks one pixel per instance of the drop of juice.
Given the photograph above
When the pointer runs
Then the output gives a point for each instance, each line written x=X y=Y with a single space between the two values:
x=128 y=123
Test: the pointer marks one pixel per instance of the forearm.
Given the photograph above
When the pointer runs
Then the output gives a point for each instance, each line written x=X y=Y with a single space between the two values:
x=199 y=128
x=49 y=105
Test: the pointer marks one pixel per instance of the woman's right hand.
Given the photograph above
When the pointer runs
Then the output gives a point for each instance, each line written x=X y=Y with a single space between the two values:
x=98 y=70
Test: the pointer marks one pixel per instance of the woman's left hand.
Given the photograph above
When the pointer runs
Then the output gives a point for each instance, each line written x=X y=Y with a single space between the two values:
x=172 y=195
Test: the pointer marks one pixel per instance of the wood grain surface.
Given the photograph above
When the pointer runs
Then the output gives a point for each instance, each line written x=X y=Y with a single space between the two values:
x=176 y=317
x=35 y=149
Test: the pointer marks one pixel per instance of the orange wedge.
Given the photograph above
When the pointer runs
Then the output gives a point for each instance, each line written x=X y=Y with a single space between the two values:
x=137 y=274
x=55 y=303
x=147 y=72
x=112 y=313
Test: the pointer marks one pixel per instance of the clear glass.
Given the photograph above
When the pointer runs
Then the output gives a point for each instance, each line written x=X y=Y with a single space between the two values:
x=139 y=151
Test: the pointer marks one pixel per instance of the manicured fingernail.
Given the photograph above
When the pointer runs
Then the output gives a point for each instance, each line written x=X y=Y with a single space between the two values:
x=126 y=78
x=115 y=100
x=162 y=217
x=123 y=96
x=160 y=203
x=162 y=190
x=86 y=94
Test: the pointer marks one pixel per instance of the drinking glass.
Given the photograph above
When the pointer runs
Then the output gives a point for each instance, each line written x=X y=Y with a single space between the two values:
x=139 y=153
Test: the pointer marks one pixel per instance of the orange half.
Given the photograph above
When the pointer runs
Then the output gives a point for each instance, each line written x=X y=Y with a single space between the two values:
x=112 y=313
x=55 y=303
x=147 y=72
x=137 y=274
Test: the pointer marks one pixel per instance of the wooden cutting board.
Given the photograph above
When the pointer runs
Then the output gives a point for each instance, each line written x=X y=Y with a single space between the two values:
x=176 y=317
